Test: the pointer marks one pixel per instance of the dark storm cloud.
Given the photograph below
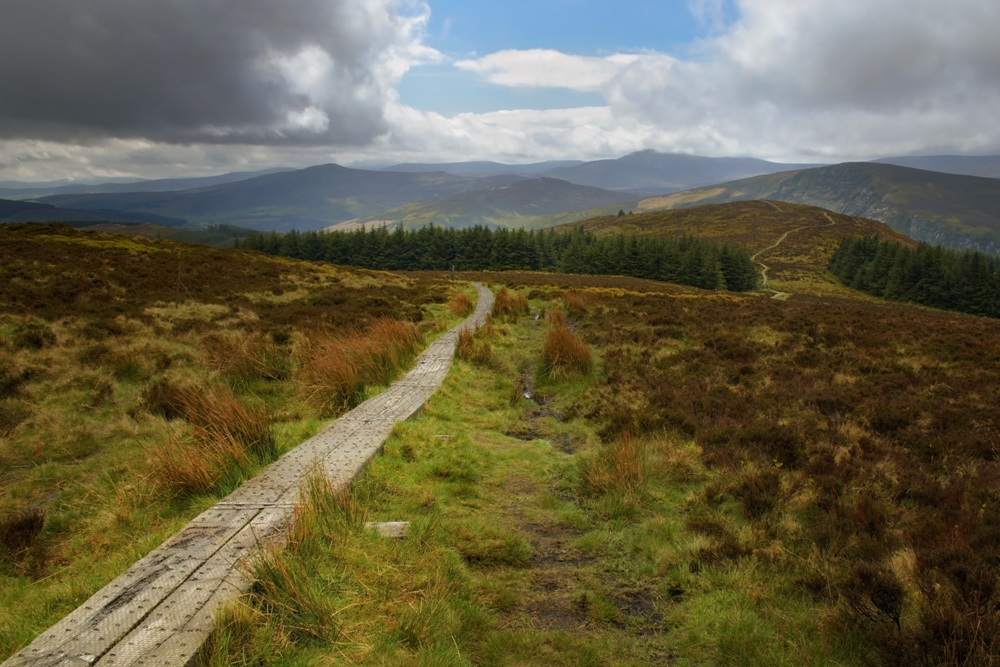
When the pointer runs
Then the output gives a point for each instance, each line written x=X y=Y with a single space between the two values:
x=256 y=71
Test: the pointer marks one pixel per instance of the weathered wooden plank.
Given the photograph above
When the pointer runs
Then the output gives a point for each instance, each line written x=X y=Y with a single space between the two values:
x=160 y=610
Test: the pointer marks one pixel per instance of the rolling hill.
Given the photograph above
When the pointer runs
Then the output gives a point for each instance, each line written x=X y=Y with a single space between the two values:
x=519 y=204
x=305 y=199
x=482 y=169
x=12 y=188
x=26 y=211
x=956 y=211
x=651 y=171
x=987 y=166
x=806 y=236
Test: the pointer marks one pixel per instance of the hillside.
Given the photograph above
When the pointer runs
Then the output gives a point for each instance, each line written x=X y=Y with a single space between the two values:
x=987 y=166
x=518 y=204
x=482 y=168
x=27 y=211
x=797 y=265
x=957 y=211
x=651 y=171
x=305 y=199
x=153 y=185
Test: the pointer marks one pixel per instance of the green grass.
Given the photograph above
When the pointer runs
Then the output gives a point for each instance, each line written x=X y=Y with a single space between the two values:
x=84 y=412
x=515 y=558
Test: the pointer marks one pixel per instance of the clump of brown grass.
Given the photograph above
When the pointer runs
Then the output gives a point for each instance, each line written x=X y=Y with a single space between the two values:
x=564 y=353
x=461 y=304
x=472 y=348
x=228 y=437
x=335 y=368
x=575 y=303
x=621 y=467
x=509 y=305
x=245 y=358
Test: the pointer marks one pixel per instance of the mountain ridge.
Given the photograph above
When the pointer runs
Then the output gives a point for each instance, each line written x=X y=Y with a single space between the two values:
x=953 y=210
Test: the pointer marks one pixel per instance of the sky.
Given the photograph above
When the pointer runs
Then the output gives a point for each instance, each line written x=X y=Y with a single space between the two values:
x=154 y=88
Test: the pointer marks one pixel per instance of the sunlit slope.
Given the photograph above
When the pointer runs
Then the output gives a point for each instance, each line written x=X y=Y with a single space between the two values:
x=525 y=203
x=947 y=209
x=795 y=241
x=305 y=199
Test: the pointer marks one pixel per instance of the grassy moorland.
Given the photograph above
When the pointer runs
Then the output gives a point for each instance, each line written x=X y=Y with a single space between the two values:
x=141 y=380
x=651 y=474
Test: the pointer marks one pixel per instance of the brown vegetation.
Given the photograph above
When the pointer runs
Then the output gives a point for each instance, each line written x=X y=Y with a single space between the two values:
x=509 y=305
x=461 y=305
x=334 y=368
x=139 y=376
x=871 y=427
x=564 y=353
x=229 y=436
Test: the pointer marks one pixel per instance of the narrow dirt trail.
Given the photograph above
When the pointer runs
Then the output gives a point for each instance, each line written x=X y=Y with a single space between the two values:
x=162 y=609
x=764 y=268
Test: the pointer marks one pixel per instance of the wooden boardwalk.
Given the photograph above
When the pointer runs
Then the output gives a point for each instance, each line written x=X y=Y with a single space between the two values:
x=161 y=610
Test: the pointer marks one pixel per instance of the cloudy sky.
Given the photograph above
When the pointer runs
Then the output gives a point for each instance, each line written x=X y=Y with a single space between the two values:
x=154 y=88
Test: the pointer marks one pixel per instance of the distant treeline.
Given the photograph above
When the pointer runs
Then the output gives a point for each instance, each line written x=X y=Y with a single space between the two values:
x=687 y=261
x=965 y=281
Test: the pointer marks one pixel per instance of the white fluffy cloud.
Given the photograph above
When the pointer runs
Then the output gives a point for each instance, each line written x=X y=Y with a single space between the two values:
x=547 y=68
x=800 y=79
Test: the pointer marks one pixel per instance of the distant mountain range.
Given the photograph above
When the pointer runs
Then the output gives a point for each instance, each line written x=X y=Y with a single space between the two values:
x=484 y=169
x=519 y=204
x=305 y=199
x=650 y=171
x=987 y=166
x=955 y=209
x=18 y=189
x=23 y=211
x=644 y=171
x=947 y=209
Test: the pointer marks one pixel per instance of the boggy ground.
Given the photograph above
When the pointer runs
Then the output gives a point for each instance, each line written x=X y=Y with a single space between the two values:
x=738 y=481
x=141 y=380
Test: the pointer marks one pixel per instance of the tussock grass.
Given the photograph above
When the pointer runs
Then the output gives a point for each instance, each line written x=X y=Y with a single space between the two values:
x=229 y=438
x=508 y=305
x=461 y=305
x=575 y=303
x=621 y=467
x=243 y=358
x=335 y=367
x=564 y=353
x=475 y=347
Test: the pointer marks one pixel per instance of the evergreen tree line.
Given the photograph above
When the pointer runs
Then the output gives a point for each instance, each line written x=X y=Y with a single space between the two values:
x=965 y=281
x=687 y=261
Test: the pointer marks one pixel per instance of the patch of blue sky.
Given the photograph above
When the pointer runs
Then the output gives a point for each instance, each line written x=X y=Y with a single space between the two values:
x=461 y=28
x=472 y=28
